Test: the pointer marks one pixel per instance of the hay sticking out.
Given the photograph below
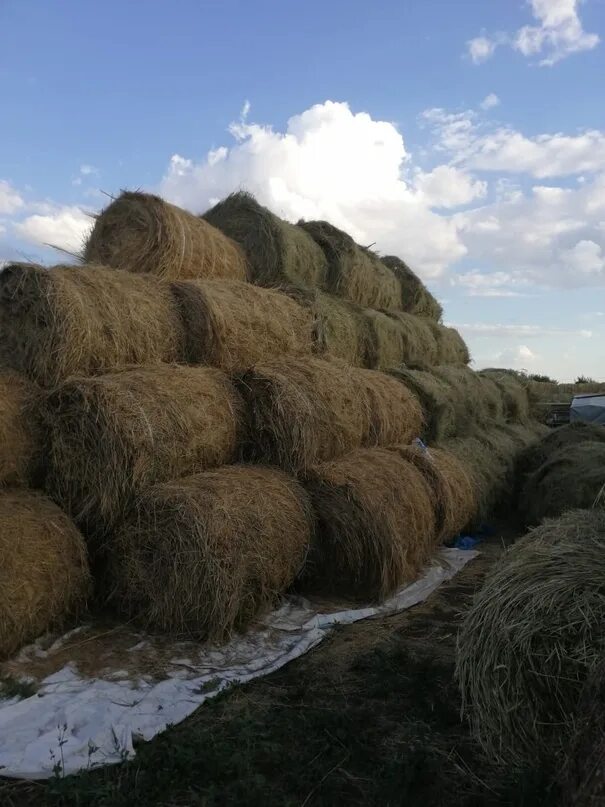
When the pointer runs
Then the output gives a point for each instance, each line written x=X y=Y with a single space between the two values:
x=302 y=411
x=201 y=556
x=20 y=430
x=234 y=325
x=72 y=320
x=278 y=252
x=415 y=297
x=514 y=395
x=375 y=525
x=140 y=232
x=533 y=634
x=435 y=397
x=113 y=436
x=44 y=577
x=354 y=273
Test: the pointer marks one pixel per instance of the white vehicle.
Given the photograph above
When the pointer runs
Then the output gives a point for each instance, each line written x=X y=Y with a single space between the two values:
x=588 y=408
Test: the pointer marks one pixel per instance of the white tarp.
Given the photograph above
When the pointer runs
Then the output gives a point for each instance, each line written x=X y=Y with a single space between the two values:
x=82 y=718
x=588 y=409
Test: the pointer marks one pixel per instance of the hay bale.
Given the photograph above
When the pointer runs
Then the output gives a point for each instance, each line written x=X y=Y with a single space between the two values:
x=234 y=325
x=201 y=556
x=451 y=347
x=278 y=252
x=113 y=436
x=302 y=411
x=415 y=297
x=375 y=525
x=402 y=339
x=435 y=397
x=140 y=232
x=534 y=632
x=20 y=430
x=514 y=395
x=572 y=478
x=44 y=577
x=476 y=398
x=354 y=272
x=556 y=440
x=72 y=320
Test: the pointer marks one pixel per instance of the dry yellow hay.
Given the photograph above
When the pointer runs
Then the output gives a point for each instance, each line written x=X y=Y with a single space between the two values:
x=143 y=233
x=20 y=430
x=451 y=347
x=44 y=577
x=201 y=556
x=72 y=320
x=415 y=297
x=476 y=398
x=435 y=396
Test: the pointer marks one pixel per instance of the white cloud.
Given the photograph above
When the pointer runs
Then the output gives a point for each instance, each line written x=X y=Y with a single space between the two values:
x=87 y=170
x=518 y=358
x=65 y=227
x=447 y=186
x=481 y=48
x=10 y=200
x=489 y=329
x=495 y=284
x=490 y=101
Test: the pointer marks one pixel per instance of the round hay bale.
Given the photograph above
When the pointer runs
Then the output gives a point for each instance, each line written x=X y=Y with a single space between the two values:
x=531 y=637
x=354 y=272
x=415 y=297
x=389 y=337
x=113 y=436
x=419 y=345
x=44 y=576
x=140 y=232
x=451 y=347
x=203 y=555
x=514 y=395
x=302 y=411
x=572 y=478
x=555 y=440
x=476 y=398
x=20 y=430
x=72 y=320
x=233 y=325
x=375 y=525
x=435 y=397
x=278 y=252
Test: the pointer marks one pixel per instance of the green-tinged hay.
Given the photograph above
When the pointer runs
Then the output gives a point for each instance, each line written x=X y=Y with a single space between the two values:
x=532 y=636
x=420 y=347
x=435 y=397
x=302 y=411
x=233 y=325
x=451 y=347
x=572 y=477
x=556 y=440
x=20 y=430
x=44 y=577
x=415 y=297
x=514 y=395
x=375 y=525
x=140 y=232
x=476 y=398
x=451 y=486
x=84 y=320
x=203 y=555
x=113 y=436
x=278 y=252
x=354 y=272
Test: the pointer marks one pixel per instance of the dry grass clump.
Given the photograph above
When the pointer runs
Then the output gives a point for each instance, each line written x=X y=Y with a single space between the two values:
x=201 y=556
x=20 y=430
x=140 y=232
x=354 y=272
x=375 y=525
x=302 y=411
x=44 y=577
x=233 y=325
x=113 y=436
x=435 y=396
x=514 y=395
x=415 y=297
x=84 y=320
x=277 y=251
x=532 y=636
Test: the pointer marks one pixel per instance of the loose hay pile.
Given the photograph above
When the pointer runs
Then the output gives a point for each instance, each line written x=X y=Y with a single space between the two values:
x=44 y=577
x=532 y=636
x=143 y=233
x=20 y=430
x=277 y=251
x=375 y=525
x=203 y=555
x=415 y=297
x=113 y=436
x=72 y=320
x=234 y=325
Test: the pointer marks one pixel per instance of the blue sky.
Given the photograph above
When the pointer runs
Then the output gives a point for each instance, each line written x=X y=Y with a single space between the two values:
x=467 y=137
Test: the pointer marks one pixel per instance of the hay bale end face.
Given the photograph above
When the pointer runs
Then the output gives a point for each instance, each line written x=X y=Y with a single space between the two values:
x=203 y=555
x=435 y=397
x=44 y=577
x=84 y=320
x=20 y=430
x=140 y=232
x=415 y=297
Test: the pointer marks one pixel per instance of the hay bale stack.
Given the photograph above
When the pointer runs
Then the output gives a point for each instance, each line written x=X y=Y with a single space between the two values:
x=72 y=320
x=233 y=325
x=436 y=399
x=476 y=399
x=354 y=272
x=556 y=440
x=532 y=636
x=451 y=347
x=201 y=556
x=20 y=430
x=278 y=252
x=140 y=232
x=573 y=477
x=514 y=395
x=402 y=339
x=415 y=297
x=113 y=436
x=44 y=577
x=302 y=411
x=375 y=525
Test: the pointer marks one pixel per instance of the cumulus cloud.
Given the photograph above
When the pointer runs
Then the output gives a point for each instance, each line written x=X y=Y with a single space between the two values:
x=481 y=48
x=10 y=200
x=490 y=101
x=63 y=227
x=447 y=186
x=494 y=284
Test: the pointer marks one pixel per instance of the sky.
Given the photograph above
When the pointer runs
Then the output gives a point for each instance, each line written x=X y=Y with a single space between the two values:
x=468 y=138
